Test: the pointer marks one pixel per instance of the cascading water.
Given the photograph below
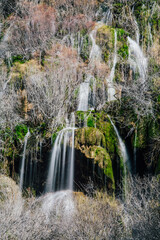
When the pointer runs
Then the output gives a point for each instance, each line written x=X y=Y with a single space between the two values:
x=125 y=157
x=84 y=95
x=93 y=93
x=23 y=160
x=107 y=19
x=137 y=31
x=111 y=89
x=150 y=37
x=95 y=54
x=137 y=59
x=61 y=169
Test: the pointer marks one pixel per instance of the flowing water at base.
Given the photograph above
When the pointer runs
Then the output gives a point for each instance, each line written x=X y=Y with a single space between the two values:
x=61 y=168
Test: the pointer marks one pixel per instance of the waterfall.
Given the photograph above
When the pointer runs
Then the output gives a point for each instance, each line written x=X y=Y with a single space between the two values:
x=122 y=147
x=71 y=175
x=137 y=59
x=23 y=160
x=150 y=37
x=94 y=94
x=137 y=31
x=95 y=54
x=111 y=89
x=84 y=95
x=107 y=19
x=61 y=169
x=124 y=154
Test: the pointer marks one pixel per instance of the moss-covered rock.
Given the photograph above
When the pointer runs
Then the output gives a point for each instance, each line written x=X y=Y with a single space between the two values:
x=89 y=136
x=122 y=43
x=104 y=130
x=104 y=125
x=105 y=39
x=91 y=142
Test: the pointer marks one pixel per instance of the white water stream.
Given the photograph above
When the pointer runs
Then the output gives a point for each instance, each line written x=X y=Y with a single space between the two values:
x=85 y=90
x=107 y=18
x=124 y=154
x=111 y=89
x=137 y=59
x=137 y=31
x=61 y=169
x=23 y=160
x=84 y=95
x=95 y=54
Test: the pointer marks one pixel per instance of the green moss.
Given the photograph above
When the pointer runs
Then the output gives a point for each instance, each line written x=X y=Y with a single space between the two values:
x=102 y=158
x=123 y=51
x=80 y=116
x=105 y=39
x=91 y=121
x=54 y=135
x=122 y=43
x=146 y=131
x=103 y=126
x=21 y=131
x=89 y=136
x=103 y=123
x=19 y=58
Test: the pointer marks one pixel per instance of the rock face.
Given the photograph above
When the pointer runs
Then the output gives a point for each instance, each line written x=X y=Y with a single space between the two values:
x=98 y=145
x=9 y=190
x=10 y=195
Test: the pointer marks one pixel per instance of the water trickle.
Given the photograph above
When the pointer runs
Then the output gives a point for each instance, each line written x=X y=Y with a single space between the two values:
x=107 y=18
x=150 y=37
x=125 y=157
x=95 y=54
x=84 y=95
x=137 y=59
x=111 y=89
x=23 y=160
x=61 y=169
x=137 y=31
x=94 y=93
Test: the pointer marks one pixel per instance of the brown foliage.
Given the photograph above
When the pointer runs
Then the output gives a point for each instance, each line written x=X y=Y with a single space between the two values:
x=32 y=28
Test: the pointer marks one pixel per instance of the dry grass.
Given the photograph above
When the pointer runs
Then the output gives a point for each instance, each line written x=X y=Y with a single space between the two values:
x=66 y=216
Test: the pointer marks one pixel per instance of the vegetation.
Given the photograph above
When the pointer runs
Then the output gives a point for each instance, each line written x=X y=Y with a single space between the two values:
x=49 y=49
x=85 y=217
